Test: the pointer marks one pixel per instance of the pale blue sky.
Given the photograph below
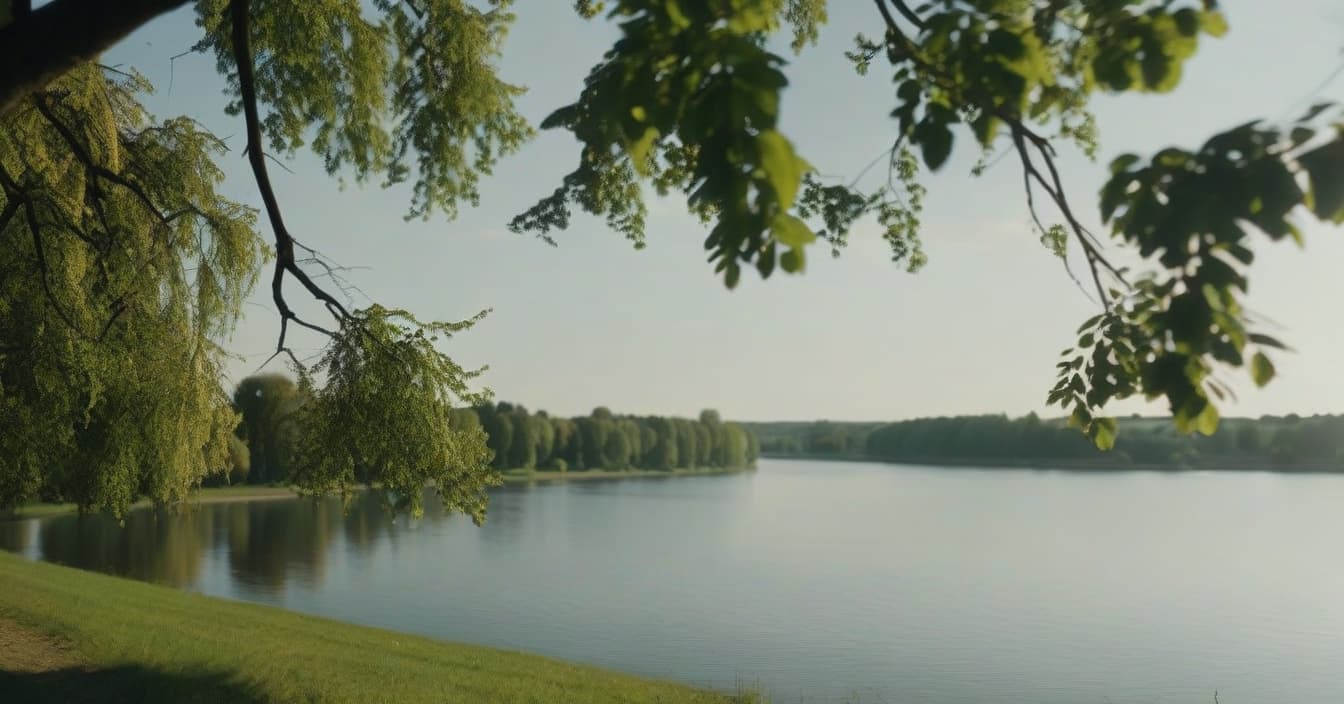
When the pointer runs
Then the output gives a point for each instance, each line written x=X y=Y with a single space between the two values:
x=594 y=322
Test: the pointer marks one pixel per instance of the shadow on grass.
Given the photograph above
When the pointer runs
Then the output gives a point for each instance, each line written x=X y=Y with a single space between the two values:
x=128 y=683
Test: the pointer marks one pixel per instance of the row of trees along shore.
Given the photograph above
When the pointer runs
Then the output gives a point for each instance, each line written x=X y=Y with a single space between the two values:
x=262 y=451
x=1291 y=442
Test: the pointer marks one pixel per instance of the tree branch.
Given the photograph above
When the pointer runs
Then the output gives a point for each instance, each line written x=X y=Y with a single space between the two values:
x=95 y=168
x=1022 y=134
x=908 y=14
x=15 y=195
x=11 y=207
x=240 y=17
x=40 y=46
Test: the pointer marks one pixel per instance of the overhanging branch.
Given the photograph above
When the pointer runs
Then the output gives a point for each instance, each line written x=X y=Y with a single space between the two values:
x=40 y=46
x=240 y=18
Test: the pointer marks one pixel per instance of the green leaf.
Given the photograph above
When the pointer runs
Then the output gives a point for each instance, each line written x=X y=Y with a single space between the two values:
x=1262 y=370
x=792 y=261
x=1005 y=44
x=792 y=232
x=935 y=142
x=986 y=128
x=1213 y=23
x=1315 y=111
x=1325 y=165
x=639 y=150
x=783 y=168
x=1206 y=423
x=1103 y=433
x=1267 y=341
x=1187 y=21
x=1124 y=162
x=1080 y=418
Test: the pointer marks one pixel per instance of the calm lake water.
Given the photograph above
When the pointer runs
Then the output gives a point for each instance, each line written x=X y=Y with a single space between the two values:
x=818 y=581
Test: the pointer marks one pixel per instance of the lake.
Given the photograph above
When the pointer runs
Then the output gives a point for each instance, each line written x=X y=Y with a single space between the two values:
x=817 y=581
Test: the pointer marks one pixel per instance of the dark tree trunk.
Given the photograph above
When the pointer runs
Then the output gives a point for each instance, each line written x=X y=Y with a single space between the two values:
x=40 y=45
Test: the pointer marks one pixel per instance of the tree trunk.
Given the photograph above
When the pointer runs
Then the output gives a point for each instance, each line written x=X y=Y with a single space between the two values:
x=38 y=46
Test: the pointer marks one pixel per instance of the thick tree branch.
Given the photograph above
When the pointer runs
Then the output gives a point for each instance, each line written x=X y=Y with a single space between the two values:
x=240 y=17
x=44 y=44
x=908 y=14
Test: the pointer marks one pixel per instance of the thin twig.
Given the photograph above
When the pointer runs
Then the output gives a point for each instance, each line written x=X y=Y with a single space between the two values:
x=172 y=61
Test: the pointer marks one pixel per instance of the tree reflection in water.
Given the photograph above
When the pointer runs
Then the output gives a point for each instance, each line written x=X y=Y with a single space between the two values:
x=267 y=545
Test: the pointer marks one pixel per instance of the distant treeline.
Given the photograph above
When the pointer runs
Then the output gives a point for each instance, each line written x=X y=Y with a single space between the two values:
x=603 y=440
x=1271 y=442
x=270 y=405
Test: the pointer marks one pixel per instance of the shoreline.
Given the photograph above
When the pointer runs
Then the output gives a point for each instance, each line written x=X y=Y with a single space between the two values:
x=233 y=494
x=1058 y=465
x=69 y=640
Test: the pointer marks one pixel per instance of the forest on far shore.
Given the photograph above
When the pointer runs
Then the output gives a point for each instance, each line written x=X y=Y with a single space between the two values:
x=1290 y=443
x=263 y=449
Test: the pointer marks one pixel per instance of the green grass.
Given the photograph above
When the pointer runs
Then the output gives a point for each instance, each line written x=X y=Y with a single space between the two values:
x=144 y=643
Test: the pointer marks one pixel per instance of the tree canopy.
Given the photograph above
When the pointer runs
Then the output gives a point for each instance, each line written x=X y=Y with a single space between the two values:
x=124 y=267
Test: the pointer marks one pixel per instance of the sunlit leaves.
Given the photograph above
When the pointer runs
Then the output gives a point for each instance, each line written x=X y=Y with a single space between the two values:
x=1147 y=50
x=792 y=232
x=113 y=296
x=408 y=92
x=1056 y=239
x=383 y=410
x=1262 y=370
x=783 y=168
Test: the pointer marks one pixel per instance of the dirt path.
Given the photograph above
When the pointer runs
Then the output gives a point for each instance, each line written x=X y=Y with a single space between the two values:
x=24 y=650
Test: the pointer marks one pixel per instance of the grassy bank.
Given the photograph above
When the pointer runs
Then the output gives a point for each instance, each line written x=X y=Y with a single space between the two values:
x=256 y=493
x=69 y=635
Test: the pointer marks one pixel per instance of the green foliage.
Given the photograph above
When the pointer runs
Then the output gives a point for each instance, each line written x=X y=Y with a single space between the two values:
x=1191 y=214
x=385 y=407
x=268 y=404
x=239 y=465
x=689 y=99
x=406 y=93
x=121 y=266
x=609 y=442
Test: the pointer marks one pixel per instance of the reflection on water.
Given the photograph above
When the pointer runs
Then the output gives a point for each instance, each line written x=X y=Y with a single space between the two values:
x=14 y=535
x=265 y=544
x=821 y=581
x=155 y=546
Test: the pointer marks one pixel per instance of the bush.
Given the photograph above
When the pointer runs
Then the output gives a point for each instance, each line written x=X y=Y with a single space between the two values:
x=239 y=465
x=559 y=465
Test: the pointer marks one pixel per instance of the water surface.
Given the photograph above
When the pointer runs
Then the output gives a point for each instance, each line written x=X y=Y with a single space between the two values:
x=818 y=581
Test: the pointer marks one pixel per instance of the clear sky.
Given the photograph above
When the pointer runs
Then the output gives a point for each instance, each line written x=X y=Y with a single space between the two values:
x=594 y=322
